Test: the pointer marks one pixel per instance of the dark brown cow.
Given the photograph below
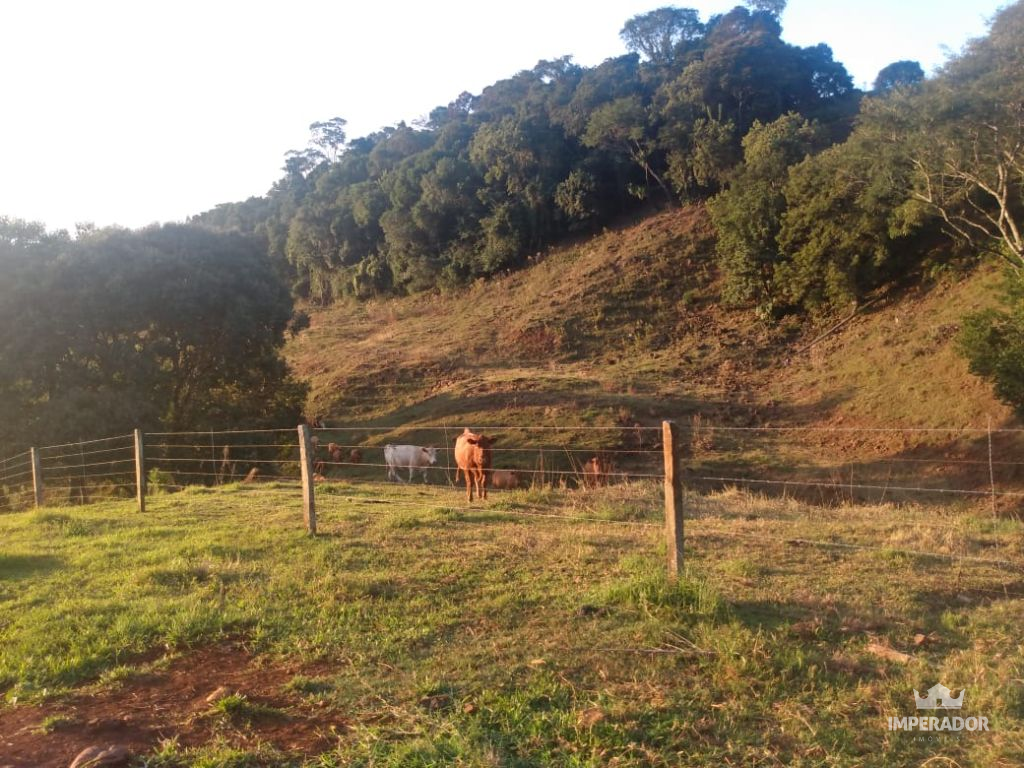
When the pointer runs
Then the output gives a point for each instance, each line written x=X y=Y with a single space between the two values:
x=596 y=471
x=473 y=457
x=505 y=478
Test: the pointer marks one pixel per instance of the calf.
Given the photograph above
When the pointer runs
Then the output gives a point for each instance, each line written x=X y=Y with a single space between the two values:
x=473 y=457
x=412 y=456
x=596 y=471
x=505 y=478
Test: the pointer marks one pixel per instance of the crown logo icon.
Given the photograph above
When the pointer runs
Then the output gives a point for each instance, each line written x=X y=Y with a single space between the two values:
x=939 y=697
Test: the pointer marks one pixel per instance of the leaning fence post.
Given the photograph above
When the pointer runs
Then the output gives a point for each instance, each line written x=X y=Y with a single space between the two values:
x=306 y=463
x=37 y=477
x=673 y=498
x=140 y=471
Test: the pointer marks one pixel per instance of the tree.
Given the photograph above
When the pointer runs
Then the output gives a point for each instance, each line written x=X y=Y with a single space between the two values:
x=748 y=214
x=968 y=146
x=661 y=34
x=176 y=327
x=624 y=126
x=992 y=341
x=899 y=74
x=329 y=137
x=848 y=226
x=772 y=7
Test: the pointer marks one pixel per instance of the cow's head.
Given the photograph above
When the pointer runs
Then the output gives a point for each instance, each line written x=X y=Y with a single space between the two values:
x=430 y=454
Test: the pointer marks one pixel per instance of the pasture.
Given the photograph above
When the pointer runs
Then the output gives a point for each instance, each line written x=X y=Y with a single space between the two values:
x=536 y=629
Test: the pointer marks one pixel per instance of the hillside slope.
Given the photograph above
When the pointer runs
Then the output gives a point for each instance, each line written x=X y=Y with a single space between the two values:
x=626 y=327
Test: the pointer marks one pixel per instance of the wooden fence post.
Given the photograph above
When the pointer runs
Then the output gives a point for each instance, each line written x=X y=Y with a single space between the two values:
x=673 y=498
x=140 y=471
x=37 y=477
x=306 y=462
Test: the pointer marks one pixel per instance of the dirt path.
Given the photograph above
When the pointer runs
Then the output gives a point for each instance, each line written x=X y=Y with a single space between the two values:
x=171 y=703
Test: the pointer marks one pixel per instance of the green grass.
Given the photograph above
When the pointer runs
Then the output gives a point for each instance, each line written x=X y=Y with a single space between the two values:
x=450 y=635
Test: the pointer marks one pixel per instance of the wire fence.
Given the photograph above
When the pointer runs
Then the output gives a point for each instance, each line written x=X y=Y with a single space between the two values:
x=952 y=494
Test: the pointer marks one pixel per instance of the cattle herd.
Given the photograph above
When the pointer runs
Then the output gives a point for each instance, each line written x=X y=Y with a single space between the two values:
x=473 y=458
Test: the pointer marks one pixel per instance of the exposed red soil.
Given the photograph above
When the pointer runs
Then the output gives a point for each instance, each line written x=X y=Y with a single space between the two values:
x=171 y=703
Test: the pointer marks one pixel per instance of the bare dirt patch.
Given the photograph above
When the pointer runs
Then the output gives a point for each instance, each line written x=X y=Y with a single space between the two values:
x=171 y=703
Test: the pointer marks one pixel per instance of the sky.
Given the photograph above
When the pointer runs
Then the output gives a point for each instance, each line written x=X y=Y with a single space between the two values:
x=135 y=112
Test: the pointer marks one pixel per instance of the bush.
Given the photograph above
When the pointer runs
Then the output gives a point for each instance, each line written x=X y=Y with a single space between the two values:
x=992 y=341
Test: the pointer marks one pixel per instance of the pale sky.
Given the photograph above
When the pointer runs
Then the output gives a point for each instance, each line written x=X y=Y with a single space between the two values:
x=130 y=112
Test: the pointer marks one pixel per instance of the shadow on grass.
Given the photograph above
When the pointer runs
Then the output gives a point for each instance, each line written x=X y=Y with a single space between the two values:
x=13 y=567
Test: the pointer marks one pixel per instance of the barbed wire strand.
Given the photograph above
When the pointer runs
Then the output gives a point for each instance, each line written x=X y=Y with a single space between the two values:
x=485 y=428
x=541 y=449
x=839 y=486
x=180 y=460
x=860 y=461
x=86 y=442
x=74 y=475
x=106 y=462
x=207 y=433
x=89 y=453
x=706 y=427
x=207 y=446
x=434 y=468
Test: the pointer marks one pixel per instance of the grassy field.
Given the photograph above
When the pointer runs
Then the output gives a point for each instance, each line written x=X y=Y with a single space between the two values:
x=534 y=630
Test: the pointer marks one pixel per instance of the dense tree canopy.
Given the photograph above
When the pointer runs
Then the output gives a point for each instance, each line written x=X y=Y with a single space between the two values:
x=491 y=178
x=174 y=326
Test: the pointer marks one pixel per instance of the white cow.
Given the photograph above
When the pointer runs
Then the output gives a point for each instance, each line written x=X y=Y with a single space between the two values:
x=412 y=456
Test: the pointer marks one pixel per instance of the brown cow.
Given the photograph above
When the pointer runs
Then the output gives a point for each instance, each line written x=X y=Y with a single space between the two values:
x=355 y=456
x=505 y=478
x=473 y=457
x=596 y=471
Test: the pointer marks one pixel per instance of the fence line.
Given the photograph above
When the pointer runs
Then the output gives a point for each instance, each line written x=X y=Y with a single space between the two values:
x=90 y=475
x=88 y=453
x=178 y=460
x=91 y=464
x=84 y=442
x=435 y=468
x=208 y=432
x=889 y=459
x=539 y=449
x=485 y=428
x=224 y=453
x=839 y=486
x=16 y=456
x=707 y=426
x=207 y=446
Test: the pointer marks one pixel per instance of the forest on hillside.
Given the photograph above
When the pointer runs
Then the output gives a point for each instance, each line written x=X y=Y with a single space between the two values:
x=820 y=194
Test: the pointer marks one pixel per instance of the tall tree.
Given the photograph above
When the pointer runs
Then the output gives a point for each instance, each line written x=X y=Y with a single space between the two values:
x=660 y=35
x=968 y=148
x=899 y=74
